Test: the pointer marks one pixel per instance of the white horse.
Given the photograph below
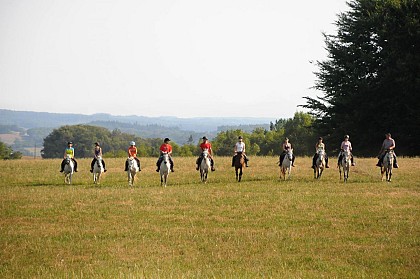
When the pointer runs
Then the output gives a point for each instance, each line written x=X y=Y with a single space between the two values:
x=98 y=169
x=132 y=170
x=68 y=170
x=344 y=164
x=319 y=164
x=205 y=166
x=387 y=164
x=286 y=165
x=165 y=167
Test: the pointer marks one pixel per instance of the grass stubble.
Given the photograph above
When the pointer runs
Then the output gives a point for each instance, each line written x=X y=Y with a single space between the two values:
x=262 y=227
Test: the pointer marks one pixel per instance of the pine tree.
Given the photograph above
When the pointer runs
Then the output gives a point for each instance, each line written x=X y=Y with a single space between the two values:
x=371 y=80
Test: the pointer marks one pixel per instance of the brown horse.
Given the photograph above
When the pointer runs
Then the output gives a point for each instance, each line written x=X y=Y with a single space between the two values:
x=239 y=164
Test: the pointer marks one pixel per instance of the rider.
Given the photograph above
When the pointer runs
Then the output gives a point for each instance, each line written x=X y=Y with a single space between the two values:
x=205 y=145
x=319 y=146
x=388 y=144
x=346 y=146
x=69 y=151
x=165 y=148
x=286 y=146
x=240 y=149
x=132 y=152
x=97 y=152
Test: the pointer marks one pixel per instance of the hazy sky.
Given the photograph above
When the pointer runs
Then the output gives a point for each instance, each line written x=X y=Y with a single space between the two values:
x=185 y=58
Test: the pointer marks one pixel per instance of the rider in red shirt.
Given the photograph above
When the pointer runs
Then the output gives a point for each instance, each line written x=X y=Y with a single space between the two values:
x=205 y=145
x=132 y=152
x=165 y=148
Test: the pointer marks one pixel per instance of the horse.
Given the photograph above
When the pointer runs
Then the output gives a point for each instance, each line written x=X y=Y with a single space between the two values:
x=132 y=170
x=68 y=170
x=387 y=164
x=344 y=164
x=320 y=164
x=98 y=169
x=205 y=166
x=286 y=165
x=165 y=167
x=239 y=164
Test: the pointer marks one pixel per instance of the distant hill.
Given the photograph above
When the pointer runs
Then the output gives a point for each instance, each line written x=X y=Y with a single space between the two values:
x=28 y=119
x=26 y=129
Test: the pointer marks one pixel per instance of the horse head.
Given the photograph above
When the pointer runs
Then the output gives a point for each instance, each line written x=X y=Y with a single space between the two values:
x=67 y=160
x=321 y=154
x=132 y=163
x=99 y=160
x=289 y=154
x=205 y=153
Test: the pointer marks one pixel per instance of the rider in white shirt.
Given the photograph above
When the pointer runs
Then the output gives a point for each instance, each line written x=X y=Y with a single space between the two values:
x=286 y=146
x=388 y=144
x=346 y=146
x=240 y=149
x=320 y=146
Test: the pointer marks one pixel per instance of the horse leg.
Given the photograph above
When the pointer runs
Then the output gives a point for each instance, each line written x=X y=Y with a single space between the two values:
x=240 y=174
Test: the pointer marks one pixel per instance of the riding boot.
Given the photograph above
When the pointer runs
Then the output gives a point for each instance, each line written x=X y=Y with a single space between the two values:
x=171 y=163
x=233 y=161
x=314 y=160
x=282 y=155
x=293 y=160
x=138 y=162
x=158 y=164
x=92 y=164
x=339 y=159
x=198 y=162
x=103 y=164
x=379 y=164
x=62 y=165
x=246 y=161
x=395 y=162
x=75 y=165
x=212 y=165
x=326 y=162
x=352 y=161
x=126 y=165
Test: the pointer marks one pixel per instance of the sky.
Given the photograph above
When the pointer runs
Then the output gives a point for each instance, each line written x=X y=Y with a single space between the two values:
x=183 y=58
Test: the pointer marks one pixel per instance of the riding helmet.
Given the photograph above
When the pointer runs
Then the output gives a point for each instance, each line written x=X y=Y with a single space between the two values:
x=205 y=138
x=132 y=143
x=166 y=139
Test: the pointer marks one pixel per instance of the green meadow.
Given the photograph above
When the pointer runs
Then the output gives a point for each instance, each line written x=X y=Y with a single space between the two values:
x=263 y=227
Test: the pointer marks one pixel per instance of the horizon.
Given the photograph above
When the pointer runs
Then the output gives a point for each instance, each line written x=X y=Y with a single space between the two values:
x=145 y=116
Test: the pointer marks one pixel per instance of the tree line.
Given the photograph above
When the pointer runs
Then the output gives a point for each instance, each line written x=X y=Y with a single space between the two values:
x=260 y=141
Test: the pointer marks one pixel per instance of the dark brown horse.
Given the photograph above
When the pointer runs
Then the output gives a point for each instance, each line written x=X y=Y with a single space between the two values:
x=239 y=165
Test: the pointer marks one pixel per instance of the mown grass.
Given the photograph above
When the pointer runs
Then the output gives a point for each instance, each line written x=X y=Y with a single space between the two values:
x=261 y=227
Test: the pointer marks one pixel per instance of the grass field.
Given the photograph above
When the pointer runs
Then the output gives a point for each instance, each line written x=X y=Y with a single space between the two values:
x=260 y=228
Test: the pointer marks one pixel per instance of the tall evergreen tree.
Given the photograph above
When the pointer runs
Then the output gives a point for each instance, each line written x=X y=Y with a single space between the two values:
x=371 y=80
